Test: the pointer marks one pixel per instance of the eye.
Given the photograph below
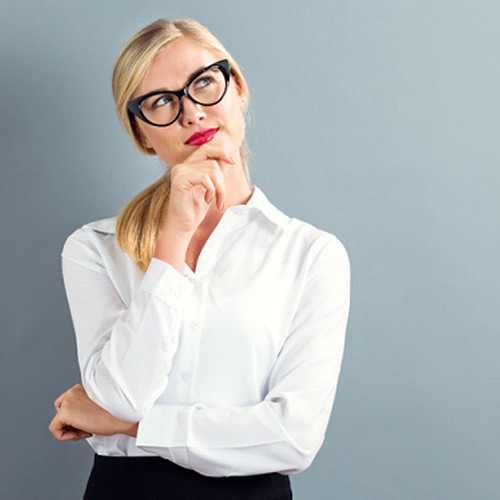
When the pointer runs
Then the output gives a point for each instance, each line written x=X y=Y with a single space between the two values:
x=162 y=100
x=203 y=81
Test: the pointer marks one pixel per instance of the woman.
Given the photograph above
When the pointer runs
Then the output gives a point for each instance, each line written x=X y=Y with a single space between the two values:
x=210 y=326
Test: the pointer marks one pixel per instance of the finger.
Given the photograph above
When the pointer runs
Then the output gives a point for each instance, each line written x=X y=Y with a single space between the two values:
x=69 y=434
x=206 y=175
x=56 y=428
x=77 y=388
x=79 y=435
x=219 y=183
x=220 y=188
x=58 y=402
x=223 y=163
x=213 y=182
x=212 y=152
x=214 y=171
x=206 y=182
x=63 y=432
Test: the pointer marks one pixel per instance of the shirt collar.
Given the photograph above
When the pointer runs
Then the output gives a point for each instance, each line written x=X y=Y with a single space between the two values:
x=257 y=202
x=107 y=226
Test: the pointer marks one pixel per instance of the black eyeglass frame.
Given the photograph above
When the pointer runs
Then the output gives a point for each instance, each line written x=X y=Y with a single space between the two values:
x=134 y=106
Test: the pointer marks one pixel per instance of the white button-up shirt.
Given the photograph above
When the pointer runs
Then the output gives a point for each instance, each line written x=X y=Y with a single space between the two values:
x=230 y=370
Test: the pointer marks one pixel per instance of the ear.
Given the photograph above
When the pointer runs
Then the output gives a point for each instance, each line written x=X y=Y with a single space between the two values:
x=239 y=90
x=243 y=98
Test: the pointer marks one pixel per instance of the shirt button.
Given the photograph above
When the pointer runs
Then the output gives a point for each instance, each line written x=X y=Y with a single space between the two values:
x=194 y=325
x=185 y=375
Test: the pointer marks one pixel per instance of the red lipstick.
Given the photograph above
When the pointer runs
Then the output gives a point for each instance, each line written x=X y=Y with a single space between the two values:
x=201 y=137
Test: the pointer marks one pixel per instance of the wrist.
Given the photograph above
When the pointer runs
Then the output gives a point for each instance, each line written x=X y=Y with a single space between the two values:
x=175 y=232
x=171 y=247
x=128 y=428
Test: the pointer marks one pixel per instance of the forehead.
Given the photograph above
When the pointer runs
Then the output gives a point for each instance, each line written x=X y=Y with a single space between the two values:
x=173 y=65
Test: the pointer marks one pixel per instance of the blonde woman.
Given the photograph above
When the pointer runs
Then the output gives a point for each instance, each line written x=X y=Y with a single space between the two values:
x=210 y=326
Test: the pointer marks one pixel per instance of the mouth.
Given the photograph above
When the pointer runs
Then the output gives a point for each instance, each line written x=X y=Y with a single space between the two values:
x=201 y=137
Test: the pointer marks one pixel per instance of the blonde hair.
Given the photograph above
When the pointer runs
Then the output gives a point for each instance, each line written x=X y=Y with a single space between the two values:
x=139 y=221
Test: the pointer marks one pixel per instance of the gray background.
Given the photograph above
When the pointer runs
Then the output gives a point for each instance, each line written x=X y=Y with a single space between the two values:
x=376 y=120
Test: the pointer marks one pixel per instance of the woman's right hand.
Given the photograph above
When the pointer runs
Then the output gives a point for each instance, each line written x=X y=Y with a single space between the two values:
x=195 y=185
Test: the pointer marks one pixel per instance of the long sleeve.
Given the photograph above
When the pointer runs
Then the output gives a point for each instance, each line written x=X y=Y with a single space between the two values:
x=285 y=430
x=125 y=346
x=229 y=370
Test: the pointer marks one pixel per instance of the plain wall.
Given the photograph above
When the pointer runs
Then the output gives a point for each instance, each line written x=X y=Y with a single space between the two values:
x=375 y=120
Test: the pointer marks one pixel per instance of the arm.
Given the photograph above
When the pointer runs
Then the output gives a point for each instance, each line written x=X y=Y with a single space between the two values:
x=124 y=351
x=283 y=432
x=78 y=417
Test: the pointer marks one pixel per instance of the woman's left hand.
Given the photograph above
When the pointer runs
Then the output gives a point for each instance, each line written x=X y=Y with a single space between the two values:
x=78 y=417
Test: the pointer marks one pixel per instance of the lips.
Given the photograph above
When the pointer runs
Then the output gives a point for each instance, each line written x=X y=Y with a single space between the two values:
x=201 y=137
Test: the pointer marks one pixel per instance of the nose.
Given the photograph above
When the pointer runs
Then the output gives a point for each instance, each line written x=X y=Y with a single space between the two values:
x=192 y=112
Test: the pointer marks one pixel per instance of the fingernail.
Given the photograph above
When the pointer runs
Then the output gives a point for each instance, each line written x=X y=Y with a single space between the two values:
x=232 y=160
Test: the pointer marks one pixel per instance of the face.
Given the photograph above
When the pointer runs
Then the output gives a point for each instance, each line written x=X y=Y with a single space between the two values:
x=170 y=70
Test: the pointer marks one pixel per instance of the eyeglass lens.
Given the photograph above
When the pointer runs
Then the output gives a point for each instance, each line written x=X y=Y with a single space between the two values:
x=208 y=88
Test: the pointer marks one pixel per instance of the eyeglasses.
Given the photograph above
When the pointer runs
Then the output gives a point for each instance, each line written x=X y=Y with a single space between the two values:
x=161 y=108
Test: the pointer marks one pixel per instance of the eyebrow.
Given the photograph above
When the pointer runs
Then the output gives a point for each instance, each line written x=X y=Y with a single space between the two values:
x=188 y=79
x=194 y=73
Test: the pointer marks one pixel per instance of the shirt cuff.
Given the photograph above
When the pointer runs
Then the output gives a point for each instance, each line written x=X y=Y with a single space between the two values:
x=166 y=284
x=165 y=426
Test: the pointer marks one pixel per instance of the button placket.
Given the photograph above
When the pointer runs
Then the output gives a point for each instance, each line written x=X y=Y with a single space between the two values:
x=194 y=325
x=190 y=342
x=210 y=250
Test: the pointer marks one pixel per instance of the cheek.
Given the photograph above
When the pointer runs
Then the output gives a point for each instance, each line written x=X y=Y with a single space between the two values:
x=234 y=114
x=159 y=139
x=171 y=153
x=146 y=135
x=240 y=123
x=233 y=103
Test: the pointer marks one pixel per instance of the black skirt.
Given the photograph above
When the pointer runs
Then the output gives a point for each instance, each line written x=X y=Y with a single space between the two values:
x=153 y=478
